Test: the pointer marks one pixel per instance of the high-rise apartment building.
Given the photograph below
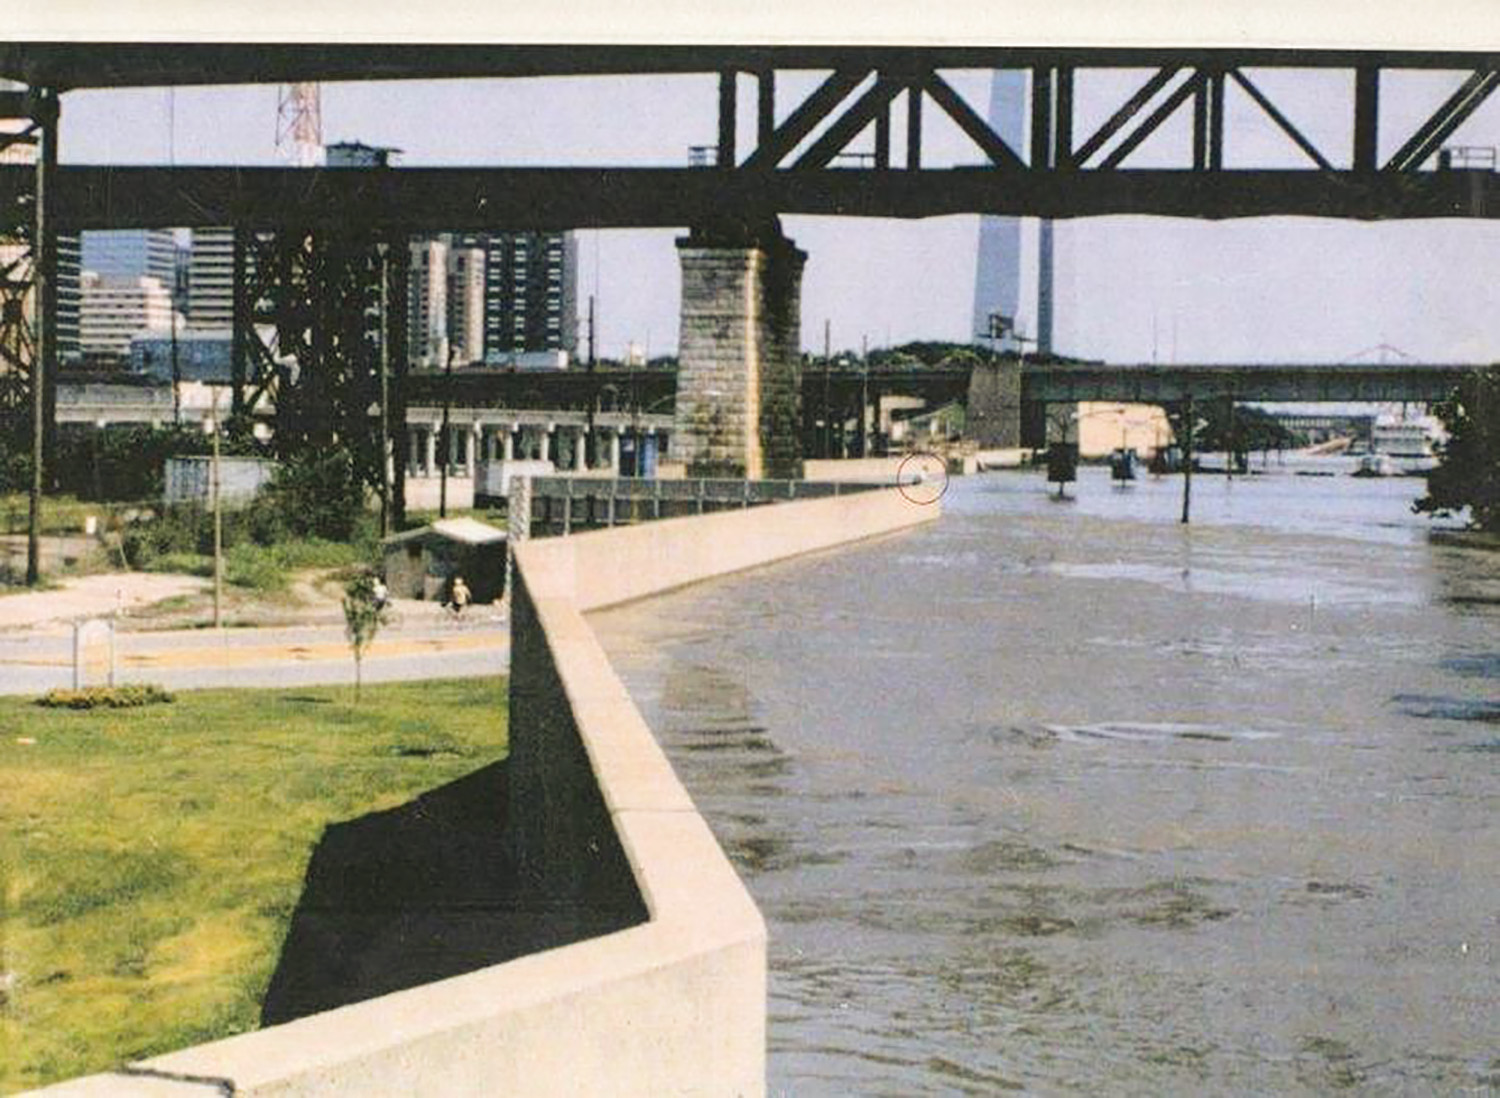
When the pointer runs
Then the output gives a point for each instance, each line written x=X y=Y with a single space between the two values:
x=427 y=318
x=69 y=298
x=530 y=292
x=466 y=303
x=113 y=310
x=211 y=279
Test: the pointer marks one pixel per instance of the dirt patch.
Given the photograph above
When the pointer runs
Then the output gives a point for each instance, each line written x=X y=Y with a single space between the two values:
x=113 y=593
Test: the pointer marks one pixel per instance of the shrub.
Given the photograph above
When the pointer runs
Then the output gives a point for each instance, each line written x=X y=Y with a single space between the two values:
x=189 y=564
x=1468 y=474
x=255 y=567
x=319 y=496
x=106 y=697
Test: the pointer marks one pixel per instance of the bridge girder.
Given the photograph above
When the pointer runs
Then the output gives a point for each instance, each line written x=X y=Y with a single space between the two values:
x=554 y=199
x=798 y=159
x=81 y=64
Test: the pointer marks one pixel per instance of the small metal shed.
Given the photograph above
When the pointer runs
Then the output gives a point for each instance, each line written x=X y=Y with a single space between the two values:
x=421 y=563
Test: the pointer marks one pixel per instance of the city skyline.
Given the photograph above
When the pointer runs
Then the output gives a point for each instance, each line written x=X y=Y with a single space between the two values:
x=1127 y=288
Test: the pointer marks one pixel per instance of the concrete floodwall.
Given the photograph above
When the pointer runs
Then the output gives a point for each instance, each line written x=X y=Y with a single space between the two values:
x=676 y=1005
x=881 y=470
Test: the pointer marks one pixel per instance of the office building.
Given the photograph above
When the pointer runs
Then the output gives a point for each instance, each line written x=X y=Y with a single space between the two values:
x=211 y=279
x=114 y=310
x=131 y=253
x=356 y=154
x=197 y=354
x=69 y=298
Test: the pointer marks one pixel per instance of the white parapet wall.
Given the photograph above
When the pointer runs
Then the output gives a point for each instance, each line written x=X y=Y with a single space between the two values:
x=675 y=1005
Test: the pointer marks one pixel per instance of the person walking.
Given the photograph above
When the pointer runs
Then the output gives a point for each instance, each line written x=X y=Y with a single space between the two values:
x=459 y=596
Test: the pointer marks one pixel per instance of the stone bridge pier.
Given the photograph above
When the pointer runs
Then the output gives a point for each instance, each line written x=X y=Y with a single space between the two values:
x=994 y=404
x=739 y=380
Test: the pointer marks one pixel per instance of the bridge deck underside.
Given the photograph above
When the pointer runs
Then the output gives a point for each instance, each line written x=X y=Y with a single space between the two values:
x=474 y=199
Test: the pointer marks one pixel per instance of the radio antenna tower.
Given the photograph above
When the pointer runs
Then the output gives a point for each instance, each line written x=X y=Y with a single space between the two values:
x=299 y=125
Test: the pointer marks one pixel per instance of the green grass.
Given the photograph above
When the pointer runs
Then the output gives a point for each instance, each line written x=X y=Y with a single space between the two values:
x=267 y=569
x=493 y=516
x=60 y=514
x=151 y=859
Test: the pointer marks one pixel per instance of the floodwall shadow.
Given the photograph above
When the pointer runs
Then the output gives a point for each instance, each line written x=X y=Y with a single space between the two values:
x=424 y=891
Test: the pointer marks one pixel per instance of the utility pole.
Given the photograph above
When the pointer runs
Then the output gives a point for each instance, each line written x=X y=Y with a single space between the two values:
x=44 y=333
x=827 y=412
x=592 y=331
x=218 y=522
x=1188 y=426
x=445 y=450
x=176 y=375
x=864 y=396
x=384 y=250
x=588 y=430
x=1234 y=442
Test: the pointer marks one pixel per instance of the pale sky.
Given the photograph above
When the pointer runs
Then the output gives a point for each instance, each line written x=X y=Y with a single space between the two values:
x=1127 y=288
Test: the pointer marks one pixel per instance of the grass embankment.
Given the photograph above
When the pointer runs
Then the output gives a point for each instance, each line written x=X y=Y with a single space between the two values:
x=61 y=514
x=267 y=569
x=151 y=859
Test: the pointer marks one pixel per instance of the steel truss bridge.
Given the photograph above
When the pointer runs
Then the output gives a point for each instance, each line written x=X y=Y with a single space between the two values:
x=793 y=162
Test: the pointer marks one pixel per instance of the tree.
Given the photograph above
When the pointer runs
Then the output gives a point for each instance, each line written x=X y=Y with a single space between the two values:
x=319 y=494
x=363 y=617
x=1239 y=429
x=1468 y=472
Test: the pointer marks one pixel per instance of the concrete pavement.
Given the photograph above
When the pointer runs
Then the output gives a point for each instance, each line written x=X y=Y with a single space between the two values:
x=421 y=643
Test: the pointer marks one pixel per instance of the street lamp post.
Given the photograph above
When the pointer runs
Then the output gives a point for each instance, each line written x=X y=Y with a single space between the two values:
x=864 y=396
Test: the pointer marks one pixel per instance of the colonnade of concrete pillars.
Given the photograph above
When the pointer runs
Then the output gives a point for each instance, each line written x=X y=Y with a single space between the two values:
x=563 y=445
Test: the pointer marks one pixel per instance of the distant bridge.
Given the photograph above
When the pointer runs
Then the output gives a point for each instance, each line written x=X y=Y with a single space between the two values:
x=1270 y=382
x=616 y=393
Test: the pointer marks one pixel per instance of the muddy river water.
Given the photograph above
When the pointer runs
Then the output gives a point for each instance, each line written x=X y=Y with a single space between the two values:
x=1066 y=798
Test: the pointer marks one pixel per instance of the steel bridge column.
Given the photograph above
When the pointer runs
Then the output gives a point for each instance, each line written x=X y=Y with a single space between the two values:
x=727 y=118
x=739 y=373
x=242 y=330
x=1366 y=118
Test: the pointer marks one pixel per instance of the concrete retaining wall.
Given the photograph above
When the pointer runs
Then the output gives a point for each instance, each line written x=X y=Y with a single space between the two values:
x=881 y=470
x=676 y=1005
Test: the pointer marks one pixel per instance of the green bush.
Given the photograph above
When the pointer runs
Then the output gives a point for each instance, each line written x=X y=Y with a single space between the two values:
x=255 y=567
x=106 y=697
x=311 y=515
x=187 y=564
x=319 y=496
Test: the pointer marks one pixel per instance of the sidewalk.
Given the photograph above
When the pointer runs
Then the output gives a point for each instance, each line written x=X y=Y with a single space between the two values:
x=421 y=641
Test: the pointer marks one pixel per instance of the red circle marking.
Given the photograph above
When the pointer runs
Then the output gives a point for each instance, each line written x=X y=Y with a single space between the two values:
x=925 y=482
